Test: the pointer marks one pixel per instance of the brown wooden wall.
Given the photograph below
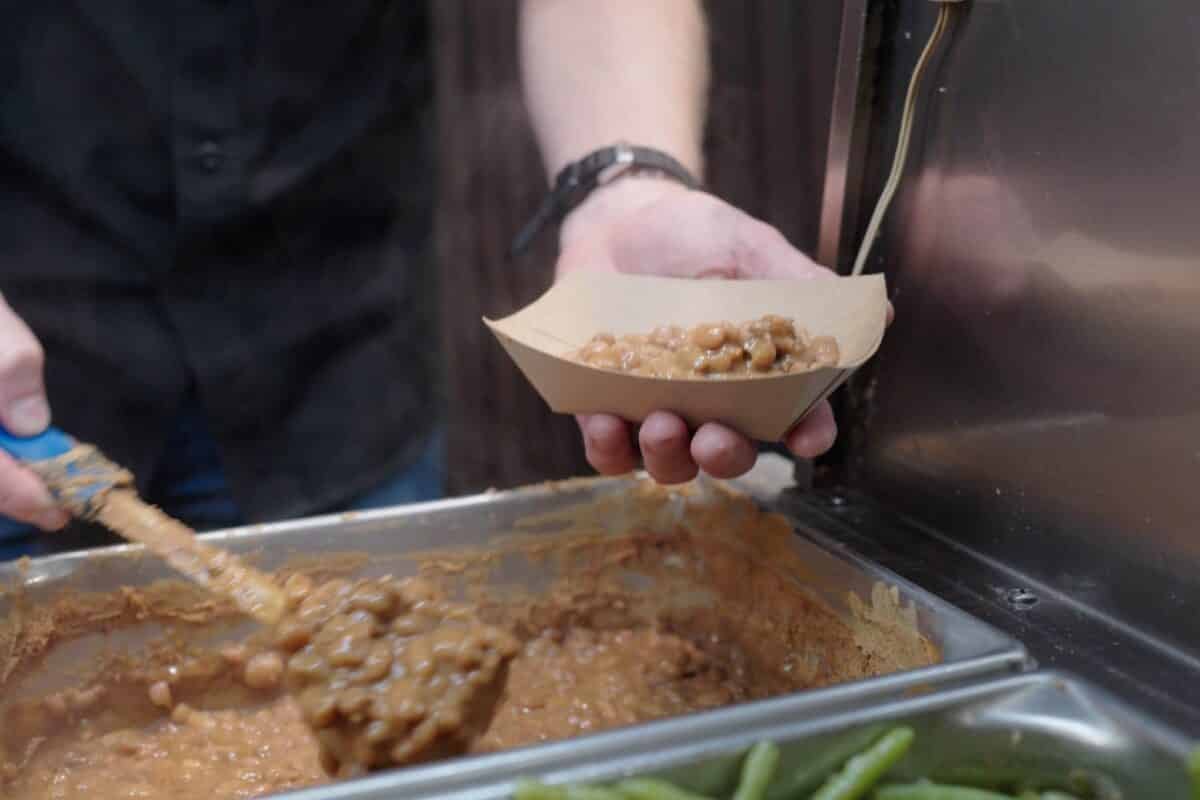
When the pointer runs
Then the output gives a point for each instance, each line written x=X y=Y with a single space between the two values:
x=772 y=84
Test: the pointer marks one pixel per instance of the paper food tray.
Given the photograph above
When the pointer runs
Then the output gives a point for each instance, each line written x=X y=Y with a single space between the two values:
x=853 y=310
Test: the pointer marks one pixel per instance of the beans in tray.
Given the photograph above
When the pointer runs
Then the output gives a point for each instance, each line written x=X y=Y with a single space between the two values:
x=365 y=673
x=865 y=774
x=770 y=345
x=386 y=671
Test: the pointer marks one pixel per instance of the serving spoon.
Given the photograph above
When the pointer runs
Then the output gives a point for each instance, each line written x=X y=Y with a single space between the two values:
x=91 y=487
x=407 y=719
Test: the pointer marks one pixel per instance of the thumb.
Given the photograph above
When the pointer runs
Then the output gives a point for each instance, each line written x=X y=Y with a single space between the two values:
x=24 y=410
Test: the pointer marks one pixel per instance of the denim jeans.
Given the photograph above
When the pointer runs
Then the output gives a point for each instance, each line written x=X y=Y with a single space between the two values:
x=191 y=486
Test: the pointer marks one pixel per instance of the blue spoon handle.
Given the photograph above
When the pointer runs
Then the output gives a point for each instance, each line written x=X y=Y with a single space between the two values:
x=74 y=485
x=91 y=474
x=48 y=444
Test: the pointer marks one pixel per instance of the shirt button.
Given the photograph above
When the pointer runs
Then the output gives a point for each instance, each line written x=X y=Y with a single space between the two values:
x=210 y=156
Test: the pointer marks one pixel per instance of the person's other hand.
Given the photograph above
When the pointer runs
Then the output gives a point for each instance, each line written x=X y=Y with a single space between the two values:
x=24 y=411
x=658 y=227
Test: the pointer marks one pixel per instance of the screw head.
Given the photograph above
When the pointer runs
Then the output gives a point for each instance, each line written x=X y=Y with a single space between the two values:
x=1021 y=599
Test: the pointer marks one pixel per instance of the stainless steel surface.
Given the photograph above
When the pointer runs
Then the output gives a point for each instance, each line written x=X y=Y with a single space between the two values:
x=1058 y=630
x=1037 y=400
x=846 y=133
x=1040 y=726
x=388 y=535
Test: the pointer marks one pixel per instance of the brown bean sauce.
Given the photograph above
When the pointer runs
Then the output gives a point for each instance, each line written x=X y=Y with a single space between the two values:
x=565 y=681
x=385 y=671
x=370 y=673
x=771 y=345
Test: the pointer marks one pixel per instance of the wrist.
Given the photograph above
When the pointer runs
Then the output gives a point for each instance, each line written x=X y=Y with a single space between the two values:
x=577 y=182
x=613 y=202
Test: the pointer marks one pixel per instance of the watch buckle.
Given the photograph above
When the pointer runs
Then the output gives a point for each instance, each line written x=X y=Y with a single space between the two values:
x=622 y=162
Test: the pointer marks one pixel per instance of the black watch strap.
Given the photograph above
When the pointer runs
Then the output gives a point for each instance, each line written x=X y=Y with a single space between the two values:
x=580 y=178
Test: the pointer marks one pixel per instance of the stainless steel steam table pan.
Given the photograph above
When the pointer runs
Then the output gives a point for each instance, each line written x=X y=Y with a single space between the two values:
x=1036 y=726
x=970 y=649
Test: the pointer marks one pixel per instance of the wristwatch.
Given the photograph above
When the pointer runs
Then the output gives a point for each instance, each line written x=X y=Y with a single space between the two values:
x=580 y=178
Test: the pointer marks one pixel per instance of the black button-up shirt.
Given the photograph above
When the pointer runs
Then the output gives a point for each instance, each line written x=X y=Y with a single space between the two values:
x=225 y=197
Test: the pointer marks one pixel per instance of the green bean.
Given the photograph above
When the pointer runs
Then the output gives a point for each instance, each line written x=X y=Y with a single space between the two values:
x=808 y=776
x=1003 y=779
x=758 y=768
x=924 y=790
x=582 y=792
x=1054 y=794
x=1094 y=785
x=535 y=790
x=865 y=769
x=1193 y=767
x=651 y=789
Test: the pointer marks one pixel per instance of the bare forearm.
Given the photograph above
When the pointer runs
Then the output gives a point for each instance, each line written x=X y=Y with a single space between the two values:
x=599 y=71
